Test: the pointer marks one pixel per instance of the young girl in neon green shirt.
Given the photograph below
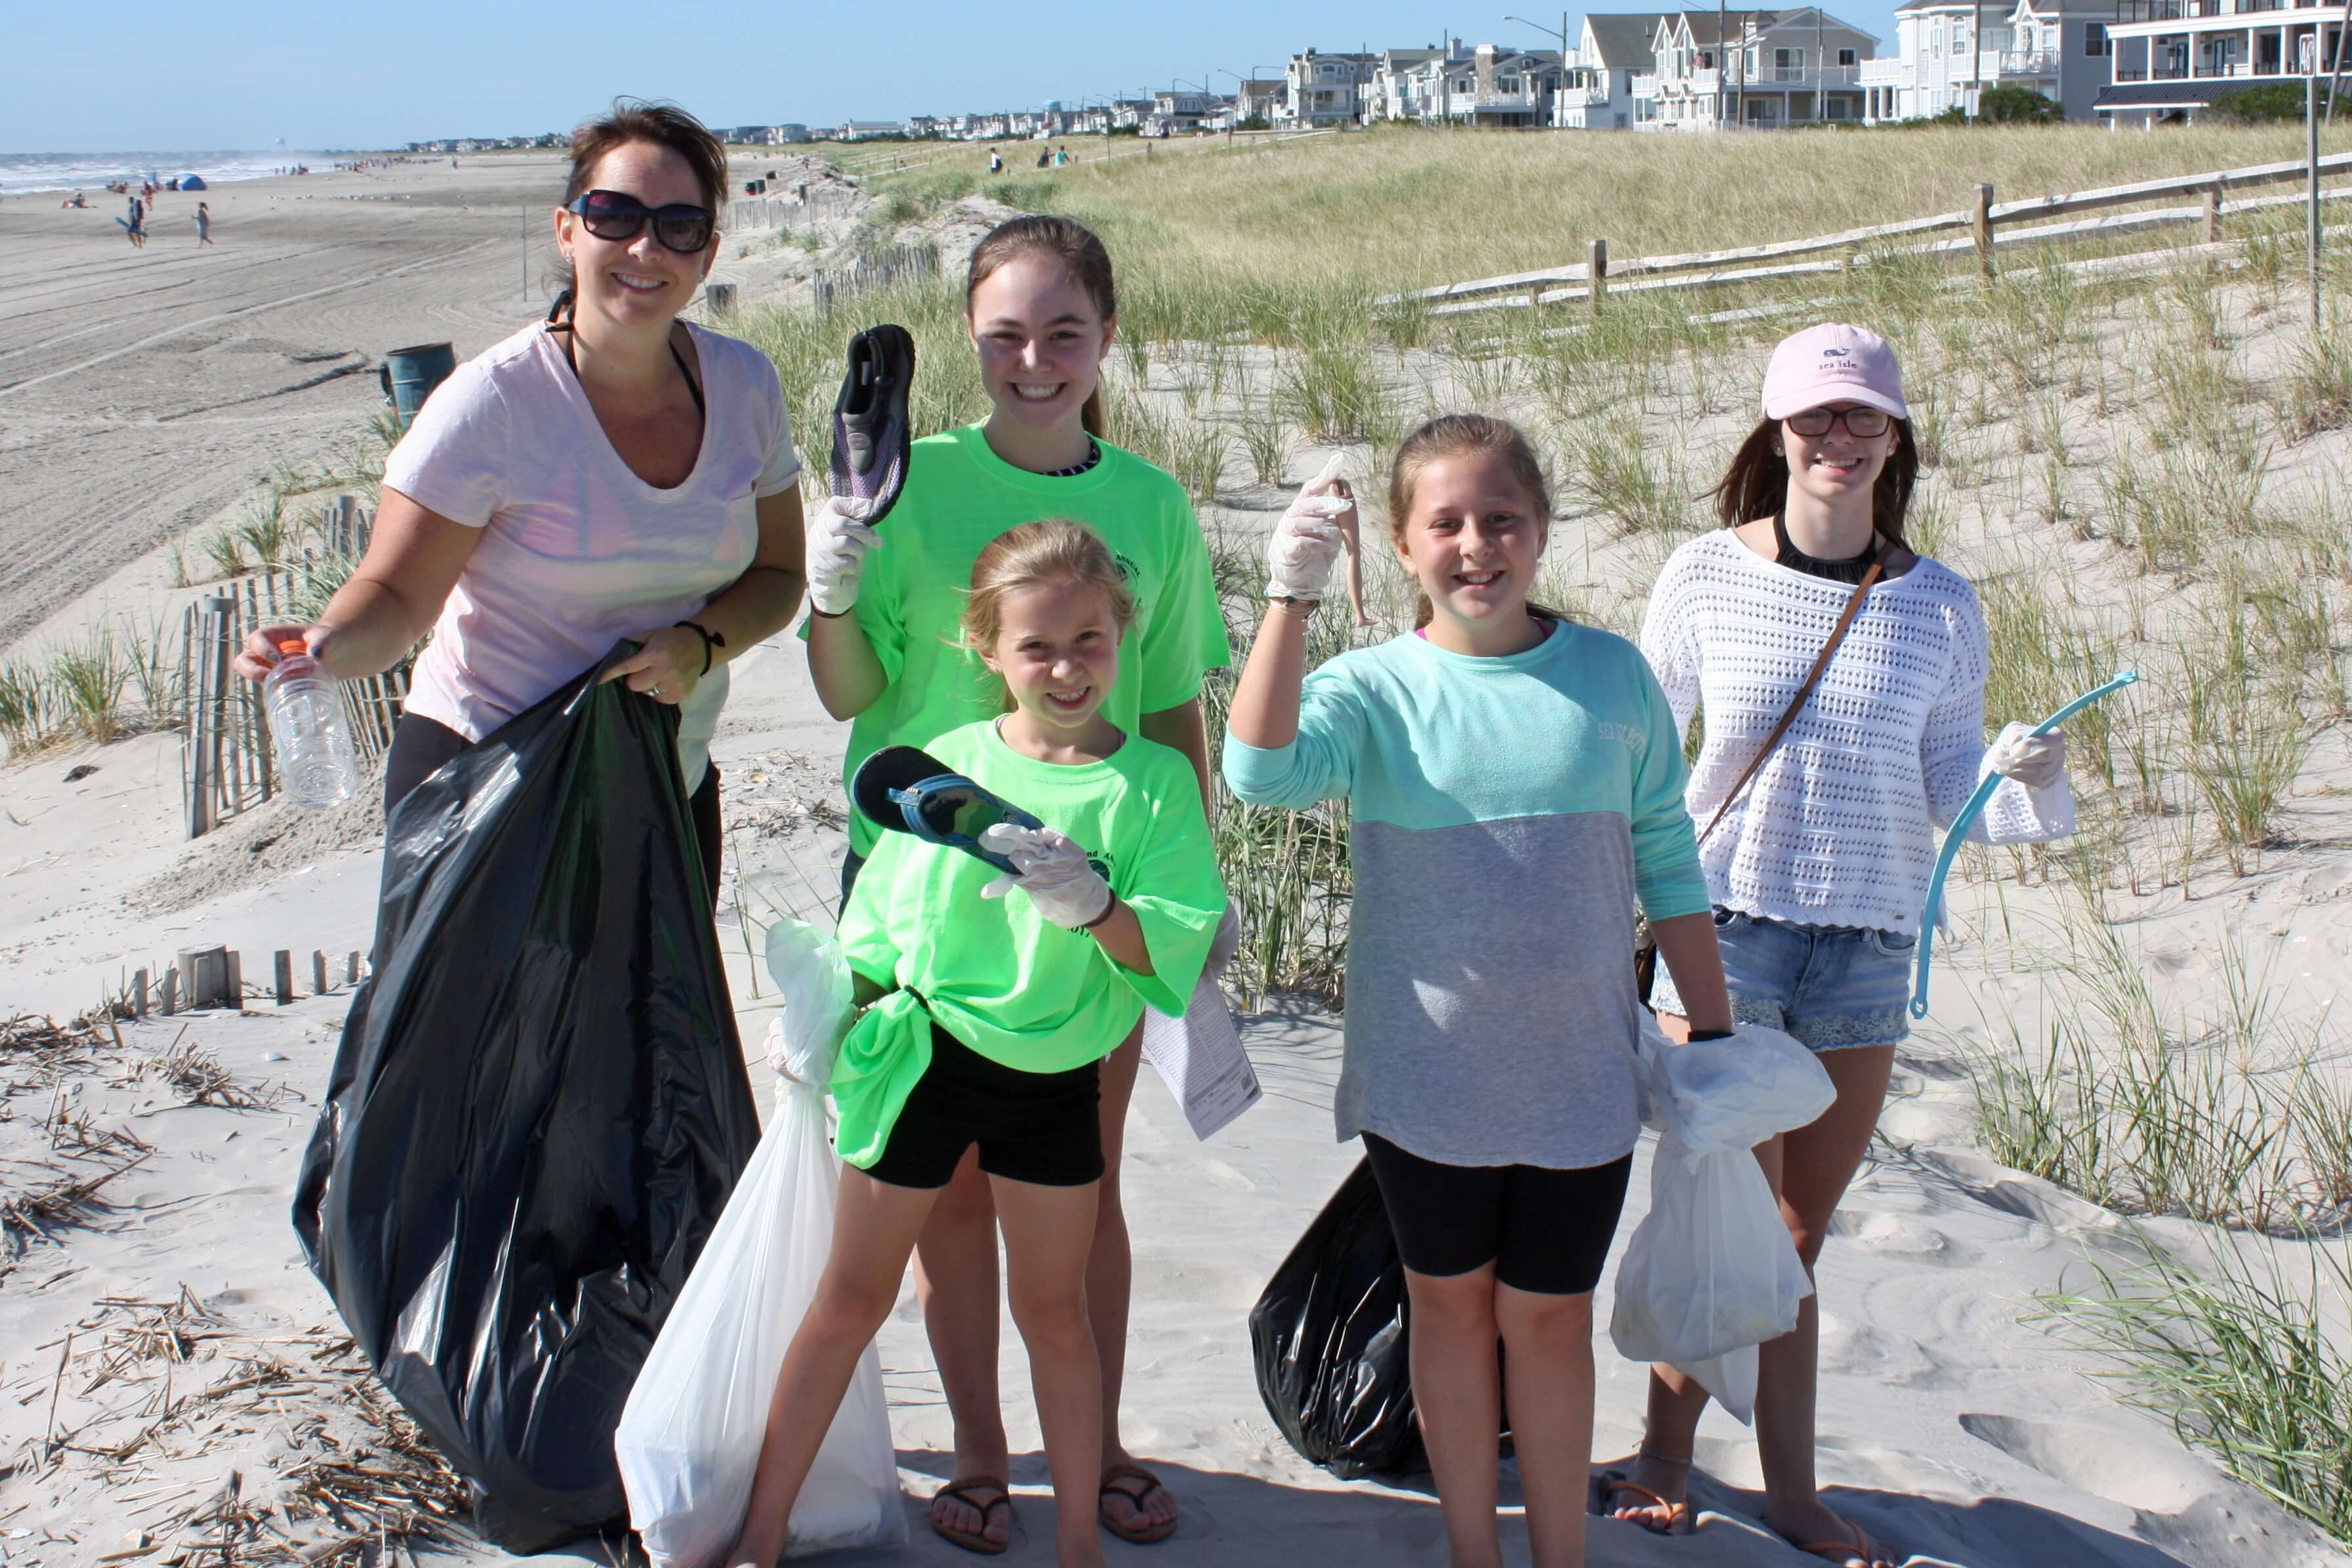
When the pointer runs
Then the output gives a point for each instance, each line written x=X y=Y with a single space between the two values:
x=993 y=1001
x=1042 y=307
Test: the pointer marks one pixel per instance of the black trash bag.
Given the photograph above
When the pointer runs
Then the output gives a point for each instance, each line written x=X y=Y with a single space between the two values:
x=1329 y=1336
x=538 y=1106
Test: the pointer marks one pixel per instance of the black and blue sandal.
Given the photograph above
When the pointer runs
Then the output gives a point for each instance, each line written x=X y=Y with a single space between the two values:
x=906 y=790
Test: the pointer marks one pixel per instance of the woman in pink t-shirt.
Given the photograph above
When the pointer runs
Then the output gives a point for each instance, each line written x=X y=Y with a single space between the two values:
x=610 y=473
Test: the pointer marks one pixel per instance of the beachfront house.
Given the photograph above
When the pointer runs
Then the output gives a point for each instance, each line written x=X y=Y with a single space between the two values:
x=2057 y=48
x=1597 y=95
x=1758 y=70
x=2174 y=59
x=1404 y=82
x=1258 y=100
x=1322 y=89
x=1180 y=112
x=870 y=130
x=1487 y=86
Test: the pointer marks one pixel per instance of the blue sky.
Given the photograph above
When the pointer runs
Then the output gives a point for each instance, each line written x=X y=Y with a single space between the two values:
x=125 y=75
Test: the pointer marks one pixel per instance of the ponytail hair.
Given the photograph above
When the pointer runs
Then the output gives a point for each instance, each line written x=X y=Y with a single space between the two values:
x=1757 y=483
x=1464 y=436
x=1082 y=256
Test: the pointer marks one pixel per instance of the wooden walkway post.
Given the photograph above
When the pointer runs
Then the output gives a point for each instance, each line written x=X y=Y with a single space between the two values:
x=1982 y=225
x=318 y=973
x=1596 y=268
x=139 y=993
x=234 y=961
x=282 y=964
x=2213 y=212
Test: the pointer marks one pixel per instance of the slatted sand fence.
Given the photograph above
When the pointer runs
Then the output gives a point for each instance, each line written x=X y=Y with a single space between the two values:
x=226 y=766
x=1988 y=227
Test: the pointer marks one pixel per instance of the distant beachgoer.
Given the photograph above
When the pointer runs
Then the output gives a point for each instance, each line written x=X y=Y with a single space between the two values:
x=1043 y=158
x=995 y=162
x=611 y=473
x=204 y=223
x=1490 y=1056
x=1819 y=871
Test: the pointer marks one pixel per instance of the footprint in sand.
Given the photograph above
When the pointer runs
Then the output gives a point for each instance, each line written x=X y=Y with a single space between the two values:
x=2178 y=1502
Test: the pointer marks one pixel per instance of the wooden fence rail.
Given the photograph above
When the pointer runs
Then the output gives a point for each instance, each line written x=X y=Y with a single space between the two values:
x=1986 y=218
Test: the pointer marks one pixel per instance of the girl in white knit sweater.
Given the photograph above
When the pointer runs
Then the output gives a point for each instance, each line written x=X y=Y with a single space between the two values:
x=1818 y=867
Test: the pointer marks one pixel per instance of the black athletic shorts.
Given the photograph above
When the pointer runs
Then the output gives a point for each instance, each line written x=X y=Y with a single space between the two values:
x=1040 y=1127
x=1545 y=1231
x=420 y=746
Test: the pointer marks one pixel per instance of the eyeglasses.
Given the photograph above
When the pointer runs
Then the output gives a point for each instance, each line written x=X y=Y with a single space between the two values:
x=614 y=215
x=1863 y=424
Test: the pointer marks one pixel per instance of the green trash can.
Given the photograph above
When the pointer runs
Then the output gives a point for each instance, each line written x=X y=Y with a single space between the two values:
x=409 y=375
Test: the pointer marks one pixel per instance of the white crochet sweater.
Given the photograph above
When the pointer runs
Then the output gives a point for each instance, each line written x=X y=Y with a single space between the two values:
x=1837 y=828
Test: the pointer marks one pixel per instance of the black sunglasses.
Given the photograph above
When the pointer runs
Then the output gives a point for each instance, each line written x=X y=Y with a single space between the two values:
x=615 y=215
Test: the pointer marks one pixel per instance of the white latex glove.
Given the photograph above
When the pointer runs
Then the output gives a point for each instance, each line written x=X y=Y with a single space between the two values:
x=1051 y=870
x=1309 y=538
x=838 y=540
x=2037 y=761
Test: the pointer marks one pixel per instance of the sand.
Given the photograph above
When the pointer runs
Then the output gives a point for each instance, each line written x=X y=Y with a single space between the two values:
x=1952 y=1423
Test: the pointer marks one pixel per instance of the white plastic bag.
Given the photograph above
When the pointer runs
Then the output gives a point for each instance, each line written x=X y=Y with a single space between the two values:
x=1711 y=1271
x=818 y=1002
x=689 y=1436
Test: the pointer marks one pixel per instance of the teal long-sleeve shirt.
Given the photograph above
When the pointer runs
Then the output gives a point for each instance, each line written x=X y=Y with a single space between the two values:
x=1509 y=815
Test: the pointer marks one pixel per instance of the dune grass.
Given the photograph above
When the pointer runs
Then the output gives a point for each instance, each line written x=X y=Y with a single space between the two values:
x=2241 y=1351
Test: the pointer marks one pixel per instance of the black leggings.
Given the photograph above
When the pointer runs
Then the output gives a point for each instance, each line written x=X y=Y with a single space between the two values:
x=420 y=746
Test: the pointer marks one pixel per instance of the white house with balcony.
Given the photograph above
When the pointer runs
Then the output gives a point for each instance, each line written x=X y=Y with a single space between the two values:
x=1179 y=113
x=1403 y=82
x=1598 y=94
x=2057 y=48
x=1760 y=71
x=1320 y=89
x=1489 y=86
x=2174 y=59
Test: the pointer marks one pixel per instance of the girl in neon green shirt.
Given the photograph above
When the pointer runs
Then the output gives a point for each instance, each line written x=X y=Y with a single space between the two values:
x=995 y=999
x=1042 y=307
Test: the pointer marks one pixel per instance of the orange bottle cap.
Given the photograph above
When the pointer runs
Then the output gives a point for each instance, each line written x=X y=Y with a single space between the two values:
x=293 y=645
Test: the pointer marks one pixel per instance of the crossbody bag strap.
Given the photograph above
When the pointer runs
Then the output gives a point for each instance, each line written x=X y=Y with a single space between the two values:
x=1812 y=678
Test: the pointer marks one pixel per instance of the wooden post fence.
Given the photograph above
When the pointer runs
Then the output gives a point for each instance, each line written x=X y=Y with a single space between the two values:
x=1596 y=270
x=1982 y=226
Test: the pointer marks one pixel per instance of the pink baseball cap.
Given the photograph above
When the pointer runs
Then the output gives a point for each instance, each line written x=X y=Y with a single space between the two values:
x=1832 y=363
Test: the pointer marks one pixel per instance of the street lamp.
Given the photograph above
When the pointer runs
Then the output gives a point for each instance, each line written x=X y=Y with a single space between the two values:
x=1561 y=35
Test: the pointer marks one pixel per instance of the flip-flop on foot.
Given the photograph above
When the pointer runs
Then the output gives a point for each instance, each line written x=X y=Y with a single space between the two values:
x=1608 y=1483
x=1140 y=1533
x=972 y=1539
x=1844 y=1551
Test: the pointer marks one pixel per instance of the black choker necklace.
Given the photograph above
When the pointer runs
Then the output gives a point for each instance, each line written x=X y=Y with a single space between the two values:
x=1850 y=570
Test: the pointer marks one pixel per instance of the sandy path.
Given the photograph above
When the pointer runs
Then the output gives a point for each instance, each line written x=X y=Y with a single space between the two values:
x=143 y=391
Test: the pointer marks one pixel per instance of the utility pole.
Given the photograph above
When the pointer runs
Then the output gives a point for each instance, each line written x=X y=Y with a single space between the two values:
x=1976 y=61
x=1722 y=69
x=2336 y=78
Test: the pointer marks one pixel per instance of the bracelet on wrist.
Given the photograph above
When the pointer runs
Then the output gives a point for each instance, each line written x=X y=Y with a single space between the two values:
x=709 y=640
x=1110 y=909
x=1297 y=606
x=826 y=615
x=1701 y=1036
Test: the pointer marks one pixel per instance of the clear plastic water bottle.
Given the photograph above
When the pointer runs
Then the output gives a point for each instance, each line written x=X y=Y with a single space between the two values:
x=318 y=767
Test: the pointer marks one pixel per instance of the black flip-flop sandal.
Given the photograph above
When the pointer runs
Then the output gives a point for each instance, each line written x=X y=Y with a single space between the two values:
x=972 y=1539
x=1134 y=1534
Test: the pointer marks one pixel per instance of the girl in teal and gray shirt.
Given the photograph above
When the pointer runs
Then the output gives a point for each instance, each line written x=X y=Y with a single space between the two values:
x=1516 y=788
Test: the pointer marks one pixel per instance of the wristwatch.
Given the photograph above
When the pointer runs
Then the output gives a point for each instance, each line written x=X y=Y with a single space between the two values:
x=1293 y=602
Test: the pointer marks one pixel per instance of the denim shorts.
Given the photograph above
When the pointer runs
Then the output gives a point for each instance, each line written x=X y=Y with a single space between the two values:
x=1830 y=986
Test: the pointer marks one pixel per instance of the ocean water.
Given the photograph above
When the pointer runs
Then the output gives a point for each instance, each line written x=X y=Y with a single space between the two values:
x=22 y=173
